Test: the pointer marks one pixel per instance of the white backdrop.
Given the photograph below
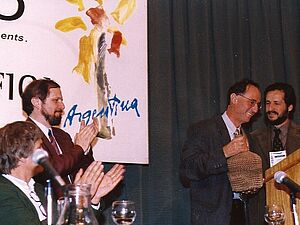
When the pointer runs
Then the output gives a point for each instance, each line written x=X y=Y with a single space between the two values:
x=34 y=44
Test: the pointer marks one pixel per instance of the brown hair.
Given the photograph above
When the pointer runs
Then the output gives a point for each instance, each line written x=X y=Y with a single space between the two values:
x=37 y=88
x=17 y=141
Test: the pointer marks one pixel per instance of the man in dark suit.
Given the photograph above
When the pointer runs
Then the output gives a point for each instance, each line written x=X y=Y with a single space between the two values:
x=203 y=160
x=280 y=103
x=22 y=200
x=43 y=103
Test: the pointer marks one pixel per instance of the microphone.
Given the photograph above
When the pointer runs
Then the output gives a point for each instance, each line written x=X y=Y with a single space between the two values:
x=40 y=156
x=281 y=178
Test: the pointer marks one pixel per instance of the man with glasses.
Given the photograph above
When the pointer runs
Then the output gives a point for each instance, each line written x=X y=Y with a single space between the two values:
x=275 y=141
x=252 y=101
x=204 y=158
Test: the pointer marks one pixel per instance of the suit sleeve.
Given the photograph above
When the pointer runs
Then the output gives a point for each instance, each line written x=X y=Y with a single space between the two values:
x=73 y=157
x=202 y=153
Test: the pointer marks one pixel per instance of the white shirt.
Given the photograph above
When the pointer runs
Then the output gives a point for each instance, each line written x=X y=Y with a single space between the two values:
x=231 y=130
x=45 y=131
x=229 y=124
x=26 y=188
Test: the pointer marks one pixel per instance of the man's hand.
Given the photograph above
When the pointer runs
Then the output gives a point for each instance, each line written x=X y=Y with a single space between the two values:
x=109 y=182
x=237 y=145
x=93 y=175
x=86 y=134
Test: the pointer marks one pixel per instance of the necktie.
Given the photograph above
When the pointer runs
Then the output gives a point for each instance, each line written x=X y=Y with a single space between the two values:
x=237 y=132
x=53 y=142
x=58 y=152
x=36 y=199
x=277 y=144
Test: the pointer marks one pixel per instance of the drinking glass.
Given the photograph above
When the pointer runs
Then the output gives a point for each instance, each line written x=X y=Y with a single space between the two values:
x=123 y=212
x=274 y=214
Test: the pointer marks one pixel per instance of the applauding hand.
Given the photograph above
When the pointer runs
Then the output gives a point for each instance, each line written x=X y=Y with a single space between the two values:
x=109 y=182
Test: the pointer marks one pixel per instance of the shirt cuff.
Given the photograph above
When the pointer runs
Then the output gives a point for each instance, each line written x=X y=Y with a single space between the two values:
x=96 y=206
x=88 y=151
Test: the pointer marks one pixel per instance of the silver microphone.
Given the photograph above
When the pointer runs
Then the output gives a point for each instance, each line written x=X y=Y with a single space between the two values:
x=281 y=178
x=40 y=156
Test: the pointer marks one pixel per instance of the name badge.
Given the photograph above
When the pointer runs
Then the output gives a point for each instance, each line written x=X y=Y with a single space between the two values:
x=276 y=157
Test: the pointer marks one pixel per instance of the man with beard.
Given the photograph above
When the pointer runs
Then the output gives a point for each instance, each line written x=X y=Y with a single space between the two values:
x=280 y=103
x=43 y=103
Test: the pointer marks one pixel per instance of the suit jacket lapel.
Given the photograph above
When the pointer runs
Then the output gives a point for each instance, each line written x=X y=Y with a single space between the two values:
x=39 y=190
x=222 y=130
x=46 y=143
x=265 y=140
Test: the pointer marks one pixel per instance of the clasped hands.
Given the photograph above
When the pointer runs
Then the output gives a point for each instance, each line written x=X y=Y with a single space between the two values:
x=101 y=183
x=86 y=134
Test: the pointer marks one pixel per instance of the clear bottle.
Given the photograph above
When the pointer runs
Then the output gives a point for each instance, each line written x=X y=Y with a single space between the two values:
x=77 y=208
x=49 y=200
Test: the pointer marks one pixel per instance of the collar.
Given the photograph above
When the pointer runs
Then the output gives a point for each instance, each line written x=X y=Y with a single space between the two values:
x=21 y=184
x=284 y=128
x=229 y=124
x=26 y=188
x=43 y=128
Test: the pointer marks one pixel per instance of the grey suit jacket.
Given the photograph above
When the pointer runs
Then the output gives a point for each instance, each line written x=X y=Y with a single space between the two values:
x=262 y=145
x=204 y=164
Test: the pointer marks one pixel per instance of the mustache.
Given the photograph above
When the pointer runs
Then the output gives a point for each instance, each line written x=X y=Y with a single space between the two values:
x=59 y=111
x=274 y=112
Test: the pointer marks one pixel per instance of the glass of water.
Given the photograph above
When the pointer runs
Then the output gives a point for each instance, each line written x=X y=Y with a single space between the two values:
x=274 y=214
x=123 y=212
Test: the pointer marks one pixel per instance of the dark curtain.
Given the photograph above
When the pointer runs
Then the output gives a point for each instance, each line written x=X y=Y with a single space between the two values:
x=197 y=49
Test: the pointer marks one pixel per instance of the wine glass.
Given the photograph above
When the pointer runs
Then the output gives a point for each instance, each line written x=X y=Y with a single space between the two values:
x=123 y=212
x=274 y=214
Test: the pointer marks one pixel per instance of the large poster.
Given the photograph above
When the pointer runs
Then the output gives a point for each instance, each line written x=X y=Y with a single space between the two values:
x=97 y=51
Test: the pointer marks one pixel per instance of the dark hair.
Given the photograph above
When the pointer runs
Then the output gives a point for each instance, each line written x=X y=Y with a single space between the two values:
x=37 y=88
x=17 y=141
x=289 y=94
x=240 y=87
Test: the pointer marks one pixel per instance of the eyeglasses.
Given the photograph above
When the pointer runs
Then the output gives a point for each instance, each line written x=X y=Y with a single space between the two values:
x=35 y=198
x=252 y=101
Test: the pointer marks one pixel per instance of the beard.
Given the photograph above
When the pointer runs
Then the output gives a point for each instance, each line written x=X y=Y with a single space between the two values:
x=52 y=119
x=280 y=119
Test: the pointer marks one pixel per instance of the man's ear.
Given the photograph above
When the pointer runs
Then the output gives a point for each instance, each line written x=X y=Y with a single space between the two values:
x=36 y=102
x=233 y=98
x=290 y=108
